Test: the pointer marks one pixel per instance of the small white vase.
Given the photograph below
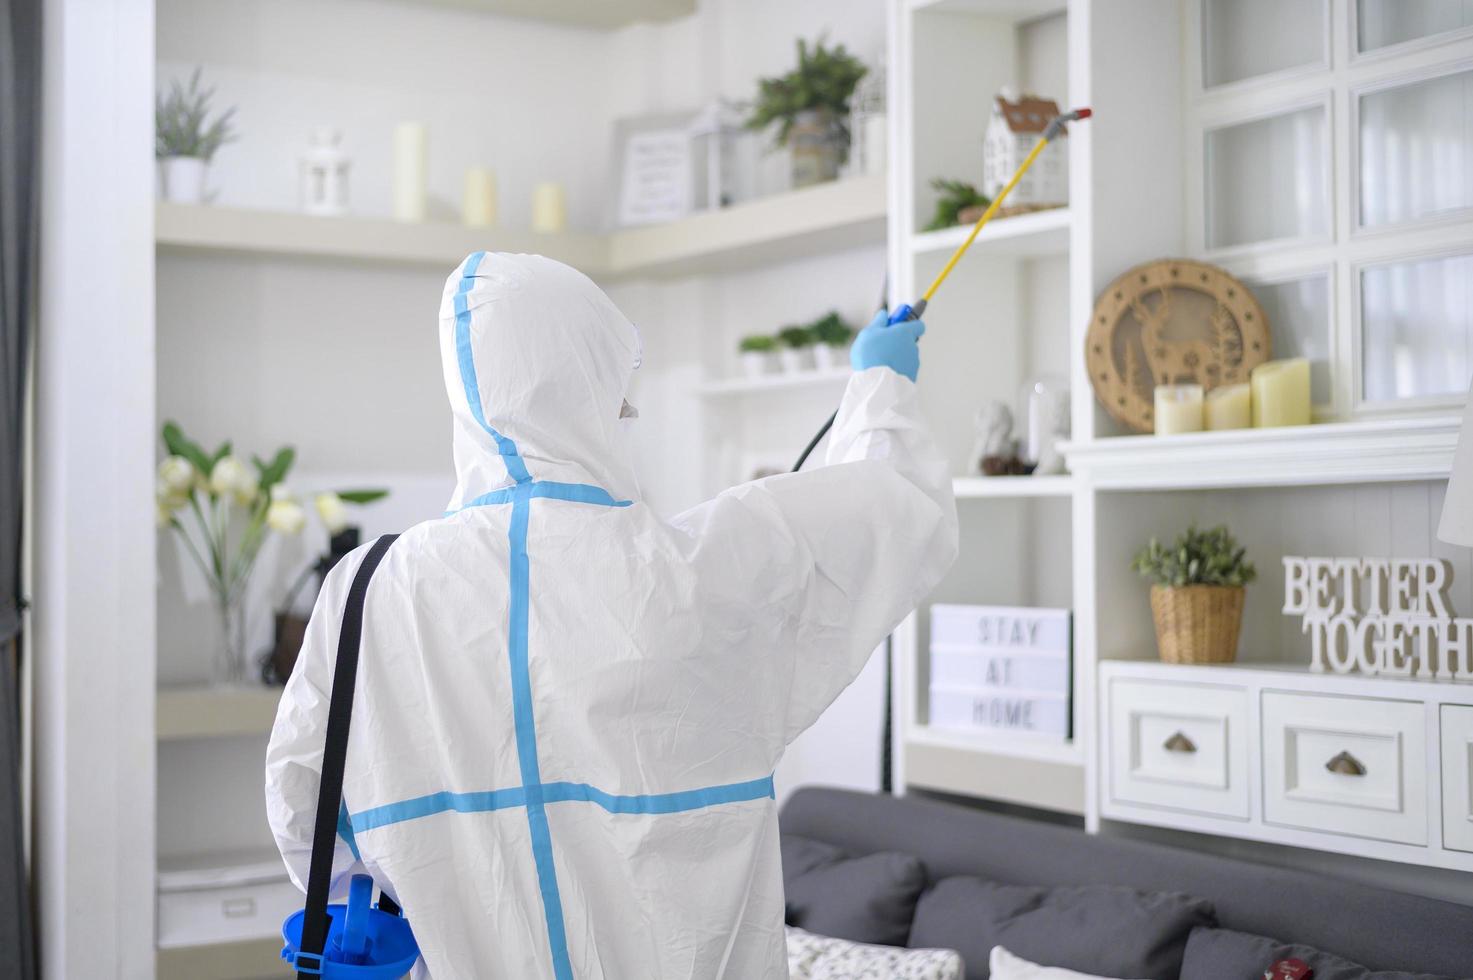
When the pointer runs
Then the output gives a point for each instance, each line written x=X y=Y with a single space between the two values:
x=796 y=360
x=184 y=179
x=828 y=357
x=756 y=363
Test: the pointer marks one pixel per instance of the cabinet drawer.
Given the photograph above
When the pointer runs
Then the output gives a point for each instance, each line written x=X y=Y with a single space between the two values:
x=1341 y=765
x=1457 y=777
x=1179 y=746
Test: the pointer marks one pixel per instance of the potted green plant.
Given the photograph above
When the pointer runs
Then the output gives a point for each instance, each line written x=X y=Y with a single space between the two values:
x=955 y=196
x=796 y=352
x=223 y=513
x=756 y=354
x=810 y=108
x=831 y=337
x=1197 y=587
x=186 y=138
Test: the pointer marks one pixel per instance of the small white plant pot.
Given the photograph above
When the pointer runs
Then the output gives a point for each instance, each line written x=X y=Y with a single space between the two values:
x=828 y=357
x=756 y=363
x=796 y=360
x=184 y=179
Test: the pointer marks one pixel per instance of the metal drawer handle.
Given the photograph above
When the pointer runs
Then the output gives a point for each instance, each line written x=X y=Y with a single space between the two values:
x=1179 y=743
x=1346 y=765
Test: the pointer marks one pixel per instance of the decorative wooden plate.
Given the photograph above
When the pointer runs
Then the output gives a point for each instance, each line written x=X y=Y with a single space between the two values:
x=1172 y=321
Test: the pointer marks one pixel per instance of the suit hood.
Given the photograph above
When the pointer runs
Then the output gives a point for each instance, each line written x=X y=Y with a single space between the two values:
x=537 y=361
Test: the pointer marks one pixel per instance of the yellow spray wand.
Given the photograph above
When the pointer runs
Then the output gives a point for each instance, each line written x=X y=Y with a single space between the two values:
x=913 y=311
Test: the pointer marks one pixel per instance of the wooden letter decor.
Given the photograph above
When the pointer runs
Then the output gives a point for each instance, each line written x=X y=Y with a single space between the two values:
x=1379 y=616
x=1171 y=322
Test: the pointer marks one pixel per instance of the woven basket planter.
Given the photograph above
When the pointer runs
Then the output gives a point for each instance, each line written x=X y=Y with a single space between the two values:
x=1197 y=624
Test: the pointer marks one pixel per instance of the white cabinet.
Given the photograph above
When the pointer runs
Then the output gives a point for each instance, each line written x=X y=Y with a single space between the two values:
x=1277 y=754
x=1457 y=777
x=1178 y=746
x=1343 y=765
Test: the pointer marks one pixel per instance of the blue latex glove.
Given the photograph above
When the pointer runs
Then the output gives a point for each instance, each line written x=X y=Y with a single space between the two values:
x=882 y=344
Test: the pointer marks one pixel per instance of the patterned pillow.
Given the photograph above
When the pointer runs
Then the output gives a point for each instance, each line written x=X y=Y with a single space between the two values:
x=813 y=957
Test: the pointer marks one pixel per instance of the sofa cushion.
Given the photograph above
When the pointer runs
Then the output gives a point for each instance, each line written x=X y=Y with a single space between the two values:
x=870 y=899
x=1100 y=929
x=1222 y=954
x=813 y=957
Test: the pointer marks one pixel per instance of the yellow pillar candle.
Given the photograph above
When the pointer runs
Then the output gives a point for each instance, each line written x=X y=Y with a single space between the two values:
x=1281 y=393
x=1178 y=409
x=549 y=207
x=478 y=207
x=1229 y=407
x=411 y=171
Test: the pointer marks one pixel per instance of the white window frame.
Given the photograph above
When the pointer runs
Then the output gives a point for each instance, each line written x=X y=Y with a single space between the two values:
x=1338 y=83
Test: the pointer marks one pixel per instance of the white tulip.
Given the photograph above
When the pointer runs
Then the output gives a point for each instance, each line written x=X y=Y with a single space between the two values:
x=280 y=492
x=231 y=478
x=286 y=516
x=333 y=511
x=176 y=474
x=163 y=513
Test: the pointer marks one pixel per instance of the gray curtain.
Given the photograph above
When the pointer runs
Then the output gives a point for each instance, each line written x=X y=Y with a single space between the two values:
x=20 y=108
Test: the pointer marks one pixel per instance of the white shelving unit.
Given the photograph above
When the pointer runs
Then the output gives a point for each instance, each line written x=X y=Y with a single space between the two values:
x=605 y=15
x=783 y=227
x=1027 y=235
x=983 y=487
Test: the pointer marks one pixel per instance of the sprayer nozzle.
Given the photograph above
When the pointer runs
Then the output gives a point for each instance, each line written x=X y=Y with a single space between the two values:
x=1084 y=113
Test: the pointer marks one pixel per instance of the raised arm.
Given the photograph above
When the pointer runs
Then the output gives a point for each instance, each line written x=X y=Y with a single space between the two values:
x=833 y=558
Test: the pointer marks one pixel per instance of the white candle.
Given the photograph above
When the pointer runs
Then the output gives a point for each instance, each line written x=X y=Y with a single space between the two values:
x=478 y=208
x=549 y=207
x=411 y=168
x=1178 y=409
x=1229 y=407
x=1281 y=393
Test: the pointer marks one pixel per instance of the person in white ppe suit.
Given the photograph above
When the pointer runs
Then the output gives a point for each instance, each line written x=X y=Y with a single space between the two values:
x=568 y=711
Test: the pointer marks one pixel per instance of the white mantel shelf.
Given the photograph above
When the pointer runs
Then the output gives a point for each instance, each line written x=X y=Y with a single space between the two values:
x=833 y=380
x=829 y=217
x=1378 y=451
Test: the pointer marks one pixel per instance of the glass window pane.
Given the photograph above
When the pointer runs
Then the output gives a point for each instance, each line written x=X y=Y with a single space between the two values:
x=1298 y=312
x=1244 y=38
x=1416 y=150
x=1383 y=22
x=1266 y=179
x=1417 y=328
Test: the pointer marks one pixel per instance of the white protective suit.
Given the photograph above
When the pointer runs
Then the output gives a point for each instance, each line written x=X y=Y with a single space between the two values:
x=568 y=711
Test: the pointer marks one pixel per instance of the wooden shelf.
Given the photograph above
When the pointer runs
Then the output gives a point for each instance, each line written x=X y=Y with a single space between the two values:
x=215 y=712
x=603 y=15
x=777 y=382
x=1026 y=235
x=973 y=487
x=839 y=215
x=829 y=217
x=1051 y=778
x=990 y=743
x=1350 y=452
x=246 y=231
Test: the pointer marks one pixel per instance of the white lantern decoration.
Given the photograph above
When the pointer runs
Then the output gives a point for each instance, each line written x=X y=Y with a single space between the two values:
x=324 y=174
x=723 y=156
x=868 y=128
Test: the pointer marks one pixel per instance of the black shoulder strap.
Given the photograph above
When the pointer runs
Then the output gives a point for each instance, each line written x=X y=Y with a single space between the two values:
x=330 y=791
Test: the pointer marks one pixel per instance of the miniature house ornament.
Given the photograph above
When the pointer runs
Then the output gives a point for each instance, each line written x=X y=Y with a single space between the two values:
x=1380 y=616
x=324 y=174
x=1013 y=129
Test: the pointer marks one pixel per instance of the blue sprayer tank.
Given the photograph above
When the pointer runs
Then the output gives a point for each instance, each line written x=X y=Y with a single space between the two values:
x=363 y=942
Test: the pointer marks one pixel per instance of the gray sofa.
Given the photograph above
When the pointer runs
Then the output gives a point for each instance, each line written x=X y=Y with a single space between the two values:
x=971 y=849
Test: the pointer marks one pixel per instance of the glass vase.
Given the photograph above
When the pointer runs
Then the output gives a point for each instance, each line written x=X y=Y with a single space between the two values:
x=230 y=641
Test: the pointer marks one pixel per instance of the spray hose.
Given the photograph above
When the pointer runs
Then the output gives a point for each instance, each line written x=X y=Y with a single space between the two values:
x=913 y=311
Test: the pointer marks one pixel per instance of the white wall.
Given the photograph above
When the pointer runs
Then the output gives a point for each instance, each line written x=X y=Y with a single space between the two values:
x=341 y=360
